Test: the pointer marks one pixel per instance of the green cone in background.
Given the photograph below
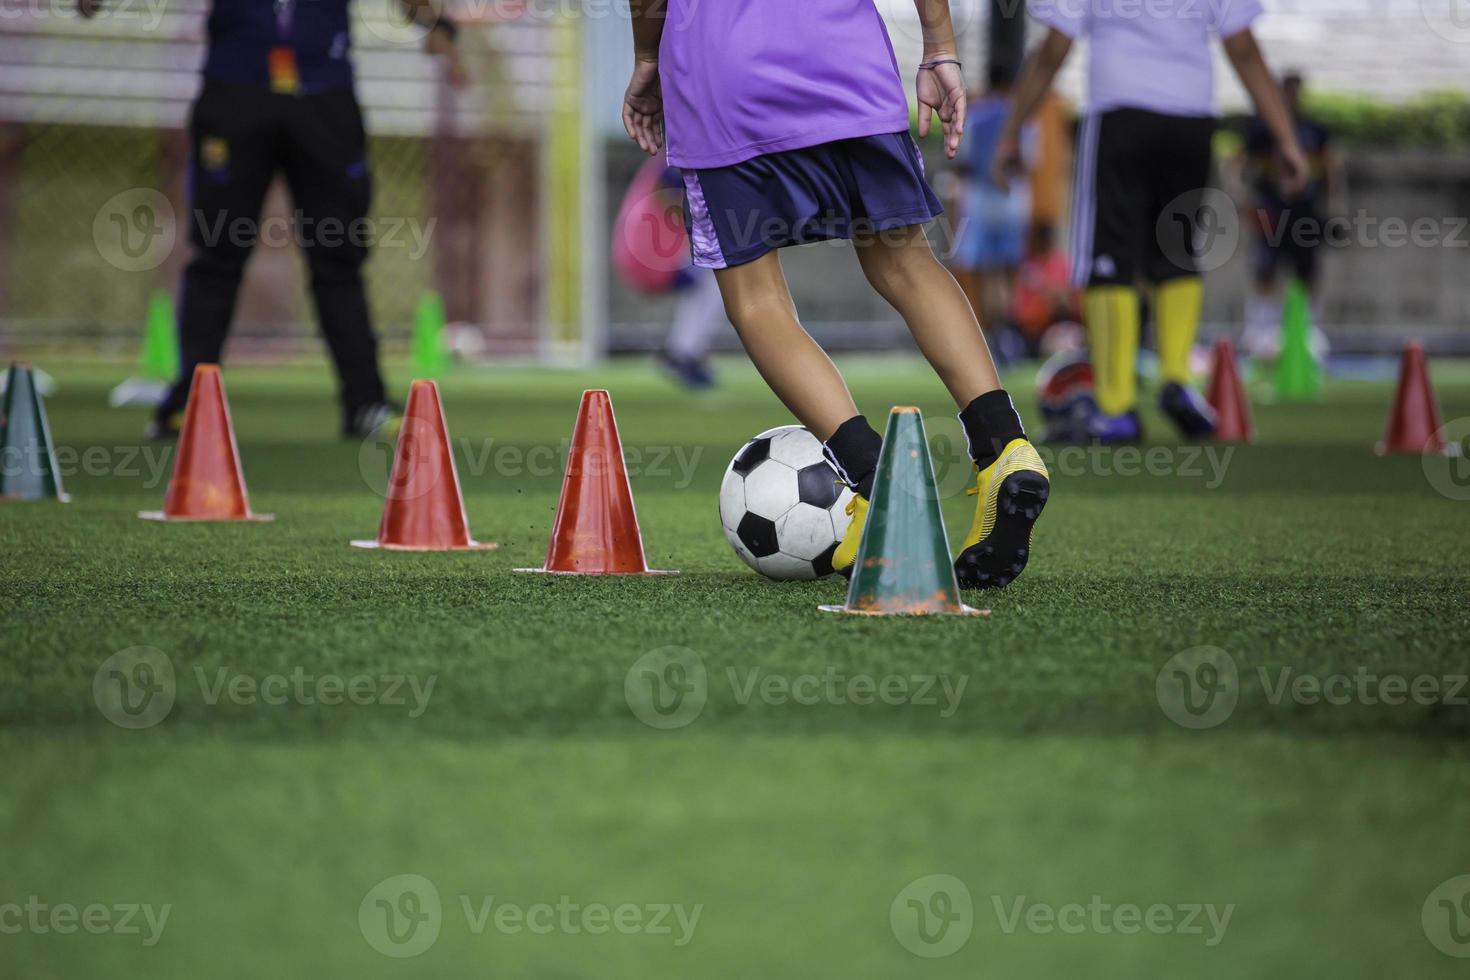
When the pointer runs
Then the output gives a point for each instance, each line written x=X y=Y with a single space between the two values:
x=160 y=358
x=28 y=469
x=904 y=567
x=1298 y=375
x=428 y=354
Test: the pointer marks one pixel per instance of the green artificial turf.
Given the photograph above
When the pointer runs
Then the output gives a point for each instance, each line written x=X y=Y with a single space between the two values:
x=1030 y=755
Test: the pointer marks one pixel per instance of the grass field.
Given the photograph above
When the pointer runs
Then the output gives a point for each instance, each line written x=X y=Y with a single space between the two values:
x=1029 y=756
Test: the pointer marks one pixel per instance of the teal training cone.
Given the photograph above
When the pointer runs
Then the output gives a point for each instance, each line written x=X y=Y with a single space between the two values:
x=159 y=360
x=1298 y=375
x=28 y=469
x=429 y=350
x=903 y=566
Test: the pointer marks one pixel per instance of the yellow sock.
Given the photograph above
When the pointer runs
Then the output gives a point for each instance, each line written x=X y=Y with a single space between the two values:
x=1112 y=329
x=1177 y=305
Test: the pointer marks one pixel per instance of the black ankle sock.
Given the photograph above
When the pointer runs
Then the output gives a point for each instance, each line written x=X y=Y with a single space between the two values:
x=853 y=452
x=990 y=422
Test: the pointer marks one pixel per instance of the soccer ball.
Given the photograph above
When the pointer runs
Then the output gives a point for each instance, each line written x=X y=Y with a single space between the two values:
x=782 y=505
x=1065 y=388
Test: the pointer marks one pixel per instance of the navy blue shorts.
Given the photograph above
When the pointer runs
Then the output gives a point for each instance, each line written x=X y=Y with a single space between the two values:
x=737 y=214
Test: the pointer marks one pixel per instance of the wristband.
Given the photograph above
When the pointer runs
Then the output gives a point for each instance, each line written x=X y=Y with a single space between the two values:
x=925 y=66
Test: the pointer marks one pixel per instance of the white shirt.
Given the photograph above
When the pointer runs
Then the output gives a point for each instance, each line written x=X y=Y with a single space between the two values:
x=1149 y=54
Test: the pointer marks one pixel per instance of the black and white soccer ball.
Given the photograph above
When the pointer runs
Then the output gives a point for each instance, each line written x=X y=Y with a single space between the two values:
x=783 y=507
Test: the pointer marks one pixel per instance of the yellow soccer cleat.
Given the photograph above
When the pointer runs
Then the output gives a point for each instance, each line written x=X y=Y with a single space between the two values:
x=1012 y=491
x=846 y=553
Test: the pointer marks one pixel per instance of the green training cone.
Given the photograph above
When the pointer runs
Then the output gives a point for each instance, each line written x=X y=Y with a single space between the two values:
x=428 y=353
x=903 y=566
x=1298 y=375
x=159 y=360
x=28 y=469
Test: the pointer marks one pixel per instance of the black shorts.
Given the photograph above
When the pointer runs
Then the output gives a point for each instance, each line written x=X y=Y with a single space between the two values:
x=1134 y=168
x=1288 y=238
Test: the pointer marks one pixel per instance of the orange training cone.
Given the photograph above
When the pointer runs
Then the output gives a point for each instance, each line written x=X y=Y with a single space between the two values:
x=207 y=482
x=1227 y=397
x=596 y=530
x=1413 y=422
x=424 y=509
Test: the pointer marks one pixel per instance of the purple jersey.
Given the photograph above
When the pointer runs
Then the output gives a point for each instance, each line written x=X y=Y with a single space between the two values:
x=744 y=78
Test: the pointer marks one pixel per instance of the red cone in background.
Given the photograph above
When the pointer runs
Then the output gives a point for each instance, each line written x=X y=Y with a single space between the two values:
x=1413 y=422
x=1227 y=397
x=424 y=509
x=207 y=483
x=596 y=530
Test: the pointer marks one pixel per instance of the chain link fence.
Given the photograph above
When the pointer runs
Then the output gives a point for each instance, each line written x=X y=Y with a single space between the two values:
x=94 y=159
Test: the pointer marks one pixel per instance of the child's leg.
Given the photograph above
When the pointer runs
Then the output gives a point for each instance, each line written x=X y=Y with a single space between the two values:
x=1011 y=484
x=972 y=284
x=758 y=302
x=902 y=268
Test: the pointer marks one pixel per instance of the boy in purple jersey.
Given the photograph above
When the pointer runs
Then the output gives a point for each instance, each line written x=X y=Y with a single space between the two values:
x=790 y=124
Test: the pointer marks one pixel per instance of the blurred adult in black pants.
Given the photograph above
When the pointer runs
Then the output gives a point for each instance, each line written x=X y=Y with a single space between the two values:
x=1291 y=228
x=278 y=97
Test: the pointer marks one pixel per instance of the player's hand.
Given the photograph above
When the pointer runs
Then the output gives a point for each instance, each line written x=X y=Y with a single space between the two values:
x=1294 y=171
x=88 y=8
x=1007 y=163
x=443 y=46
x=942 y=89
x=643 y=108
